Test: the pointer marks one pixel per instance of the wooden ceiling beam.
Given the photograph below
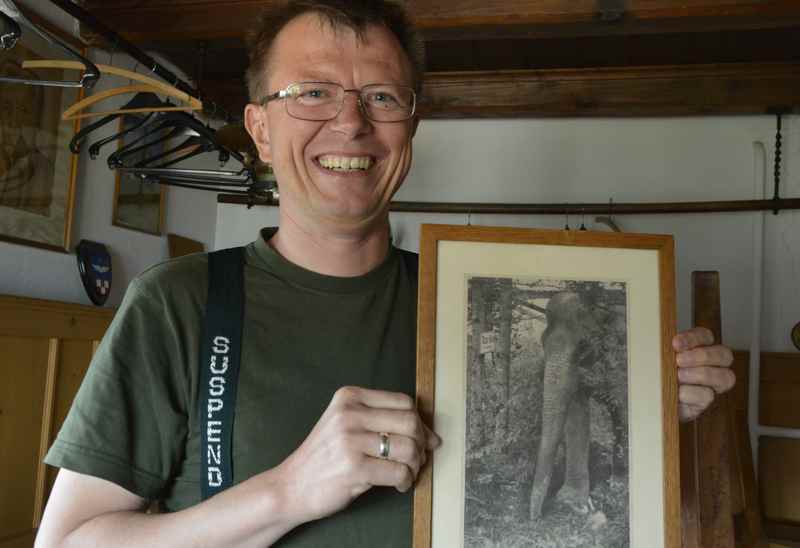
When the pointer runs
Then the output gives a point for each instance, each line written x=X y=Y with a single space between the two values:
x=632 y=91
x=737 y=88
x=156 y=20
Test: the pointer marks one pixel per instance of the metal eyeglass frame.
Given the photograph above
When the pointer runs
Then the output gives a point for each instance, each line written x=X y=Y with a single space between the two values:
x=285 y=94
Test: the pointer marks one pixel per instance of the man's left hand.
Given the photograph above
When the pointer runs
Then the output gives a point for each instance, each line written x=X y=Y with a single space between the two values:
x=703 y=371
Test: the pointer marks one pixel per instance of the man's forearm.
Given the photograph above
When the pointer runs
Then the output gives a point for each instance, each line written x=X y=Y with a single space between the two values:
x=251 y=514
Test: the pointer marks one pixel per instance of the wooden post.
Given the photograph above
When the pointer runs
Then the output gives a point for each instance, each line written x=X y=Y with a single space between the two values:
x=719 y=499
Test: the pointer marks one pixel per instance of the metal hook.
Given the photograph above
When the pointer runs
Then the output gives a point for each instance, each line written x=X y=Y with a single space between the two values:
x=469 y=218
x=566 y=223
x=583 y=219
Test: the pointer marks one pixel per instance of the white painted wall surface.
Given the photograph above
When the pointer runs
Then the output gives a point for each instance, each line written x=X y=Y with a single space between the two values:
x=31 y=272
x=629 y=160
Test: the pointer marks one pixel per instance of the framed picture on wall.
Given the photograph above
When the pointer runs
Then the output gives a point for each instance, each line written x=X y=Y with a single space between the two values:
x=139 y=205
x=545 y=363
x=37 y=170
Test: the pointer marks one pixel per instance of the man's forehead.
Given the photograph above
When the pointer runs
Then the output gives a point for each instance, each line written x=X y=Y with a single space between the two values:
x=312 y=49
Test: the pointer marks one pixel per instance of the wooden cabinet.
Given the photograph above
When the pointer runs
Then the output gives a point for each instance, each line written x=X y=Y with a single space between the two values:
x=46 y=349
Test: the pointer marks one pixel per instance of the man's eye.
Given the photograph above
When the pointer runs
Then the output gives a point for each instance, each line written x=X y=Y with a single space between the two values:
x=316 y=93
x=384 y=99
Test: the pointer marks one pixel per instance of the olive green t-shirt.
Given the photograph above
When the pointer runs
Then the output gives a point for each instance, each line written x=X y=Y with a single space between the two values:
x=134 y=421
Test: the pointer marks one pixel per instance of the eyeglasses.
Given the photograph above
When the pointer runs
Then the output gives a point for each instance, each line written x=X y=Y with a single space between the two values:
x=321 y=101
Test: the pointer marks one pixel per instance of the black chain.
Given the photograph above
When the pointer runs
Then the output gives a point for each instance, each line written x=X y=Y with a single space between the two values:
x=778 y=139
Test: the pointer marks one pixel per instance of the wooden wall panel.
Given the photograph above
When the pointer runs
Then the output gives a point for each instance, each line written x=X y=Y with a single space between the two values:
x=24 y=364
x=780 y=391
x=47 y=347
x=779 y=466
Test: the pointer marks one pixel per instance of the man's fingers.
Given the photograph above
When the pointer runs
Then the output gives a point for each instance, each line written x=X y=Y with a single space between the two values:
x=715 y=356
x=379 y=399
x=692 y=338
x=394 y=421
x=695 y=396
x=387 y=473
x=689 y=412
x=718 y=379
x=434 y=441
x=401 y=449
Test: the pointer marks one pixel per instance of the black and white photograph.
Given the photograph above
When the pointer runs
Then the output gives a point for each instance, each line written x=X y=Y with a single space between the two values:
x=547 y=422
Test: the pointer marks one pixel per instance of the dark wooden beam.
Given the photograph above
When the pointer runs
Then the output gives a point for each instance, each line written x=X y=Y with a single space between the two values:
x=147 y=20
x=631 y=91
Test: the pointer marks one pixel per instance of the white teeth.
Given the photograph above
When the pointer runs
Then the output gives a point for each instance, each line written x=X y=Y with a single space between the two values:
x=342 y=163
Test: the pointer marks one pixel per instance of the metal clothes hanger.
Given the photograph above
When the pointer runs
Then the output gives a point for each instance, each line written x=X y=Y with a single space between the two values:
x=146 y=84
x=12 y=16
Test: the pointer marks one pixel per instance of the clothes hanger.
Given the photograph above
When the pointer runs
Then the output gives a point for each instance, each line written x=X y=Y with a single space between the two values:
x=161 y=134
x=72 y=113
x=94 y=149
x=191 y=147
x=148 y=84
x=139 y=100
x=12 y=16
x=186 y=122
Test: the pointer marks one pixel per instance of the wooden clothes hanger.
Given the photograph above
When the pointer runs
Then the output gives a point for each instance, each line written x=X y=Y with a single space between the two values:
x=146 y=84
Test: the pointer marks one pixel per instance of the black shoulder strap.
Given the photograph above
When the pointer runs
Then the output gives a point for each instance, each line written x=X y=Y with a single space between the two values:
x=221 y=350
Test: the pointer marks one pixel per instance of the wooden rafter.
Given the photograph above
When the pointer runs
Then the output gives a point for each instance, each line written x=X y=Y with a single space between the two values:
x=204 y=19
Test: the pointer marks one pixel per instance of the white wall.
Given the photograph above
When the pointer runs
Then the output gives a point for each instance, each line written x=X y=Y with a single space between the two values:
x=31 y=272
x=629 y=160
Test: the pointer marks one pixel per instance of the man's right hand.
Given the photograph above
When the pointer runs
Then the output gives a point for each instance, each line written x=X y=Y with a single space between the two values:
x=339 y=460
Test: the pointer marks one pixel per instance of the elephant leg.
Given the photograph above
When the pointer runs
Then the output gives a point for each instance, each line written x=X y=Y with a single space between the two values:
x=575 y=491
x=560 y=382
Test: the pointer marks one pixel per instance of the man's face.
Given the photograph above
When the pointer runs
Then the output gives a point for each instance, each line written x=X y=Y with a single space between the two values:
x=312 y=195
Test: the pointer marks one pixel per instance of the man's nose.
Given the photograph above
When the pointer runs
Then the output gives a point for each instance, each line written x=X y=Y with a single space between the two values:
x=351 y=118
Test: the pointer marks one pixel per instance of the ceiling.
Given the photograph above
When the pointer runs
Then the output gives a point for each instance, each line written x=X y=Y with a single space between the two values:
x=527 y=57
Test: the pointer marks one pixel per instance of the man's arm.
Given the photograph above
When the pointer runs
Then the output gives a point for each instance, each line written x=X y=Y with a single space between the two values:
x=86 y=512
x=336 y=463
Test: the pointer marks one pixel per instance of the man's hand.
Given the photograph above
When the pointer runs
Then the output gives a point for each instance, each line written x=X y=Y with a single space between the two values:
x=703 y=371
x=340 y=459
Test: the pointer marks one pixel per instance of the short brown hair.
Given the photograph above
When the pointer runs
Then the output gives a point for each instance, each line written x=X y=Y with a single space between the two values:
x=356 y=15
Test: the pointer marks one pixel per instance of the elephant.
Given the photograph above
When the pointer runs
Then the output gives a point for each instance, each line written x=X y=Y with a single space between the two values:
x=575 y=369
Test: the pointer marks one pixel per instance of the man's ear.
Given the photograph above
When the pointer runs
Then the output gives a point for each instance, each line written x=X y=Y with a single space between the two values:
x=257 y=125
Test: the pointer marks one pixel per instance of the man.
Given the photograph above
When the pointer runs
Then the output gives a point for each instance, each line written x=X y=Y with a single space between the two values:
x=330 y=304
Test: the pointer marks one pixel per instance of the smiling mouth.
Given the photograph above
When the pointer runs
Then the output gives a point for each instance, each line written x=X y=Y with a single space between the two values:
x=346 y=163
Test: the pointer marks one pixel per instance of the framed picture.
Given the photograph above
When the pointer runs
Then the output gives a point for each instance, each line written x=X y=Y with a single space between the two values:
x=37 y=170
x=139 y=205
x=545 y=363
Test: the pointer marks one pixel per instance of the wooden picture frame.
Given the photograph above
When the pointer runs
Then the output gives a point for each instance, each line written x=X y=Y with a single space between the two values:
x=138 y=205
x=37 y=170
x=499 y=310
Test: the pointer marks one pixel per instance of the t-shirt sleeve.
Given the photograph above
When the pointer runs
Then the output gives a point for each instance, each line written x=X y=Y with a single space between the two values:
x=129 y=421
